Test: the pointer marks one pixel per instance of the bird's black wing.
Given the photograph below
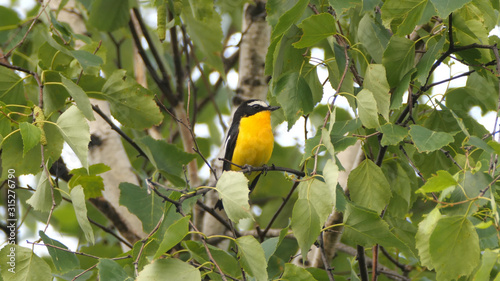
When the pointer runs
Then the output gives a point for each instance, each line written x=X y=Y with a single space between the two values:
x=232 y=136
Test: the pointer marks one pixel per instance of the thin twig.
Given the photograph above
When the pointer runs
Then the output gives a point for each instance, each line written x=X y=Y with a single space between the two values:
x=275 y=216
x=144 y=241
x=264 y=168
x=152 y=47
x=326 y=262
x=119 y=131
x=42 y=9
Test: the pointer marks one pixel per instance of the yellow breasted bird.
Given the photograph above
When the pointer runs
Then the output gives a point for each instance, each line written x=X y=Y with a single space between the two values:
x=250 y=139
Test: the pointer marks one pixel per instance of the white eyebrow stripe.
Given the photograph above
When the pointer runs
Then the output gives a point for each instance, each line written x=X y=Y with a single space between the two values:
x=261 y=103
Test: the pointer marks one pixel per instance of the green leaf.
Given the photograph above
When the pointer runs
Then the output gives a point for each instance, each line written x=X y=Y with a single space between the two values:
x=252 y=257
x=367 y=109
x=26 y=264
x=478 y=92
x=78 y=198
x=80 y=97
x=488 y=261
x=376 y=82
x=478 y=142
x=86 y=59
x=282 y=57
x=331 y=175
x=294 y=95
x=401 y=89
x=366 y=228
x=90 y=181
x=227 y=262
x=327 y=142
x=174 y=235
x=454 y=247
x=398 y=59
x=173 y=269
x=368 y=186
x=8 y=17
x=233 y=191
x=293 y=272
x=445 y=7
x=41 y=200
x=64 y=261
x=392 y=134
x=11 y=87
x=112 y=271
x=204 y=28
x=31 y=136
x=306 y=224
x=75 y=131
x=407 y=14
x=373 y=36
x=426 y=140
x=320 y=197
x=271 y=245
x=146 y=207
x=428 y=59
x=289 y=18
x=425 y=229
x=439 y=182
x=131 y=104
x=369 y=5
x=166 y=157
x=315 y=28
x=109 y=15
x=342 y=6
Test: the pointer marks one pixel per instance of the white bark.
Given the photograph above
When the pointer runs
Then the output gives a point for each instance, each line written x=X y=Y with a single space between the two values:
x=109 y=151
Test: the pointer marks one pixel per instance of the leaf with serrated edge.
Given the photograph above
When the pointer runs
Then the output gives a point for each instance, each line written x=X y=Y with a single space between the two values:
x=306 y=224
x=367 y=109
x=376 y=82
x=75 y=131
x=331 y=175
x=293 y=272
x=392 y=134
x=174 y=234
x=445 y=7
x=31 y=135
x=233 y=190
x=111 y=270
x=366 y=228
x=171 y=269
x=28 y=266
x=369 y=187
x=454 y=247
x=78 y=199
x=63 y=260
x=425 y=228
x=439 y=182
x=427 y=140
x=41 y=200
x=80 y=97
x=252 y=257
x=315 y=28
x=398 y=59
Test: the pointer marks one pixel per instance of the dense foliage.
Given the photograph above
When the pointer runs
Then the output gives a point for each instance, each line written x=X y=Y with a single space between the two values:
x=422 y=204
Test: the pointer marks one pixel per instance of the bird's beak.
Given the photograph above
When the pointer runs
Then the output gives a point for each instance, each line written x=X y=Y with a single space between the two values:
x=273 y=108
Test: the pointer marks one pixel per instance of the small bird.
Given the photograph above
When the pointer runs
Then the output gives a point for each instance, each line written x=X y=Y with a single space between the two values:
x=250 y=139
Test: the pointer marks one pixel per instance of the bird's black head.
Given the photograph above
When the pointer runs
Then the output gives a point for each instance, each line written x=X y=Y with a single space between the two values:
x=251 y=107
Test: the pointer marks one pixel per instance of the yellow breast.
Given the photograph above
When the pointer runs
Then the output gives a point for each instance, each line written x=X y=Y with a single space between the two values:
x=255 y=141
